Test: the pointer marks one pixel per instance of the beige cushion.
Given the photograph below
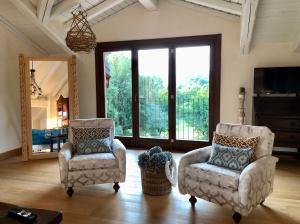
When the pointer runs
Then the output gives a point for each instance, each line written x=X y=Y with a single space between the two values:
x=93 y=161
x=233 y=141
x=218 y=176
x=237 y=142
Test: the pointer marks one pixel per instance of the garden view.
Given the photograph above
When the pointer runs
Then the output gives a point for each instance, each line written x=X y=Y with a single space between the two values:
x=192 y=100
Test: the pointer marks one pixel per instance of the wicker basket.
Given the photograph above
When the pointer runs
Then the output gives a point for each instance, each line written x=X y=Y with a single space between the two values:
x=155 y=182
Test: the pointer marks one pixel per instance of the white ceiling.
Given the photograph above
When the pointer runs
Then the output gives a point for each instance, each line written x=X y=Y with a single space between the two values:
x=51 y=76
x=11 y=16
x=277 y=21
x=233 y=7
x=90 y=4
x=261 y=20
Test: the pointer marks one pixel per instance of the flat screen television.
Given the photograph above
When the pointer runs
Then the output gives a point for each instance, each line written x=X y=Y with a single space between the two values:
x=277 y=80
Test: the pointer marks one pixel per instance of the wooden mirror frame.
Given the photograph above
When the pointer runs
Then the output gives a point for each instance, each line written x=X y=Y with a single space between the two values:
x=25 y=100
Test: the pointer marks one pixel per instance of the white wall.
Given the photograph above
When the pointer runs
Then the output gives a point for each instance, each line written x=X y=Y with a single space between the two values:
x=86 y=85
x=10 y=125
x=175 y=20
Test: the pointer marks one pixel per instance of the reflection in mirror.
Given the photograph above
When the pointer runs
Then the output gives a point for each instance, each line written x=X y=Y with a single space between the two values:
x=49 y=105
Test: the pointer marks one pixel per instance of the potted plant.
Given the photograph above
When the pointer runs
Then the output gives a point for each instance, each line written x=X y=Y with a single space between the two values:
x=158 y=171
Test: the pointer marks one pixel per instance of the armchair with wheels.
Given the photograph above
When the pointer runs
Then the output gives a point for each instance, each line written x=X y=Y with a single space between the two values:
x=96 y=168
x=241 y=191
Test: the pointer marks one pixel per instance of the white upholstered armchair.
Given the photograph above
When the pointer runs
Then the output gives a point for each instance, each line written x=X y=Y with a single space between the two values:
x=241 y=191
x=96 y=168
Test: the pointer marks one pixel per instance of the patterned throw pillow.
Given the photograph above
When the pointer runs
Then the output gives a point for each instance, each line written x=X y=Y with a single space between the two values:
x=88 y=133
x=230 y=157
x=238 y=142
x=93 y=146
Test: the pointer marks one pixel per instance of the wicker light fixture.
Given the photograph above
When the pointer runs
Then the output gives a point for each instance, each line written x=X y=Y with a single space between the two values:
x=80 y=37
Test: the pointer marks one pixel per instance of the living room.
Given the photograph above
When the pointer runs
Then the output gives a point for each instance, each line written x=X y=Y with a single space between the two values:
x=166 y=72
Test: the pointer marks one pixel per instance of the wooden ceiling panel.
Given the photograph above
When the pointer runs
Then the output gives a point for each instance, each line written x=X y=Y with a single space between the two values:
x=114 y=10
x=225 y=6
x=277 y=21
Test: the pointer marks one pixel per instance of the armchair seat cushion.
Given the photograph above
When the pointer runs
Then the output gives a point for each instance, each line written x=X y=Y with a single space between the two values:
x=93 y=161
x=218 y=176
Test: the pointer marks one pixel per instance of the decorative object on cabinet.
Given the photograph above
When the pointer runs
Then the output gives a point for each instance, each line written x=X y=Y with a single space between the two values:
x=62 y=105
x=242 y=94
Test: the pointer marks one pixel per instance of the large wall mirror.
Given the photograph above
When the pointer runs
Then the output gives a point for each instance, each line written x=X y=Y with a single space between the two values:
x=49 y=100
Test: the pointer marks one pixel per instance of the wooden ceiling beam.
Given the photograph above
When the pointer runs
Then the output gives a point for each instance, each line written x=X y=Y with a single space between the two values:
x=63 y=7
x=44 y=8
x=31 y=16
x=249 y=9
x=98 y=10
x=101 y=8
x=149 y=4
x=220 y=5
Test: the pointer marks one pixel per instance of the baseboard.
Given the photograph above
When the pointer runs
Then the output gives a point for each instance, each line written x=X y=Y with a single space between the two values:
x=11 y=153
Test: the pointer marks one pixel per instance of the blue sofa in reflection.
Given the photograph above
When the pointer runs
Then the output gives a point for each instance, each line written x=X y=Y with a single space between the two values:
x=41 y=137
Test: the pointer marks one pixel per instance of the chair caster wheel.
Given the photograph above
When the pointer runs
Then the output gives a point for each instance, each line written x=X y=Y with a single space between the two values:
x=193 y=200
x=237 y=217
x=116 y=187
x=70 y=191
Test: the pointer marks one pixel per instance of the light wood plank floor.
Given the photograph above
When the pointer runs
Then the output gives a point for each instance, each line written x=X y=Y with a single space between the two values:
x=36 y=184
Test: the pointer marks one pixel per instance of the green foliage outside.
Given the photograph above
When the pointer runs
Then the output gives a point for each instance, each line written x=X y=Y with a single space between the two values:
x=153 y=107
x=119 y=93
x=191 y=103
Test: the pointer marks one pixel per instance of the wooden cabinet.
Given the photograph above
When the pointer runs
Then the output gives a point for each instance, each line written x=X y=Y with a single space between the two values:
x=282 y=116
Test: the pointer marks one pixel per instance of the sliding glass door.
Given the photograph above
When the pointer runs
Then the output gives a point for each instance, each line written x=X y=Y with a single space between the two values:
x=192 y=93
x=160 y=92
x=153 y=70
x=118 y=94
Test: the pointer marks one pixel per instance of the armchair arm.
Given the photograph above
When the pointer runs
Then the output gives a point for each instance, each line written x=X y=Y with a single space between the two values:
x=256 y=181
x=196 y=156
x=64 y=155
x=119 y=151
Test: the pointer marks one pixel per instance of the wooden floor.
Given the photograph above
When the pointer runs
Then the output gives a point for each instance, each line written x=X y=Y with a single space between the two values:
x=36 y=184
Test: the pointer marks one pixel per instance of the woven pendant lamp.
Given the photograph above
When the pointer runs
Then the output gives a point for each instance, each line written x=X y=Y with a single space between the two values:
x=80 y=37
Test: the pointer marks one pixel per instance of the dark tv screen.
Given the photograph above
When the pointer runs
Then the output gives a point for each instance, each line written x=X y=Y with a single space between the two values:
x=281 y=80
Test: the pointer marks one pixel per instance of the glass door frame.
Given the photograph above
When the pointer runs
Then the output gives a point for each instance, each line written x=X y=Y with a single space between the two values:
x=214 y=41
